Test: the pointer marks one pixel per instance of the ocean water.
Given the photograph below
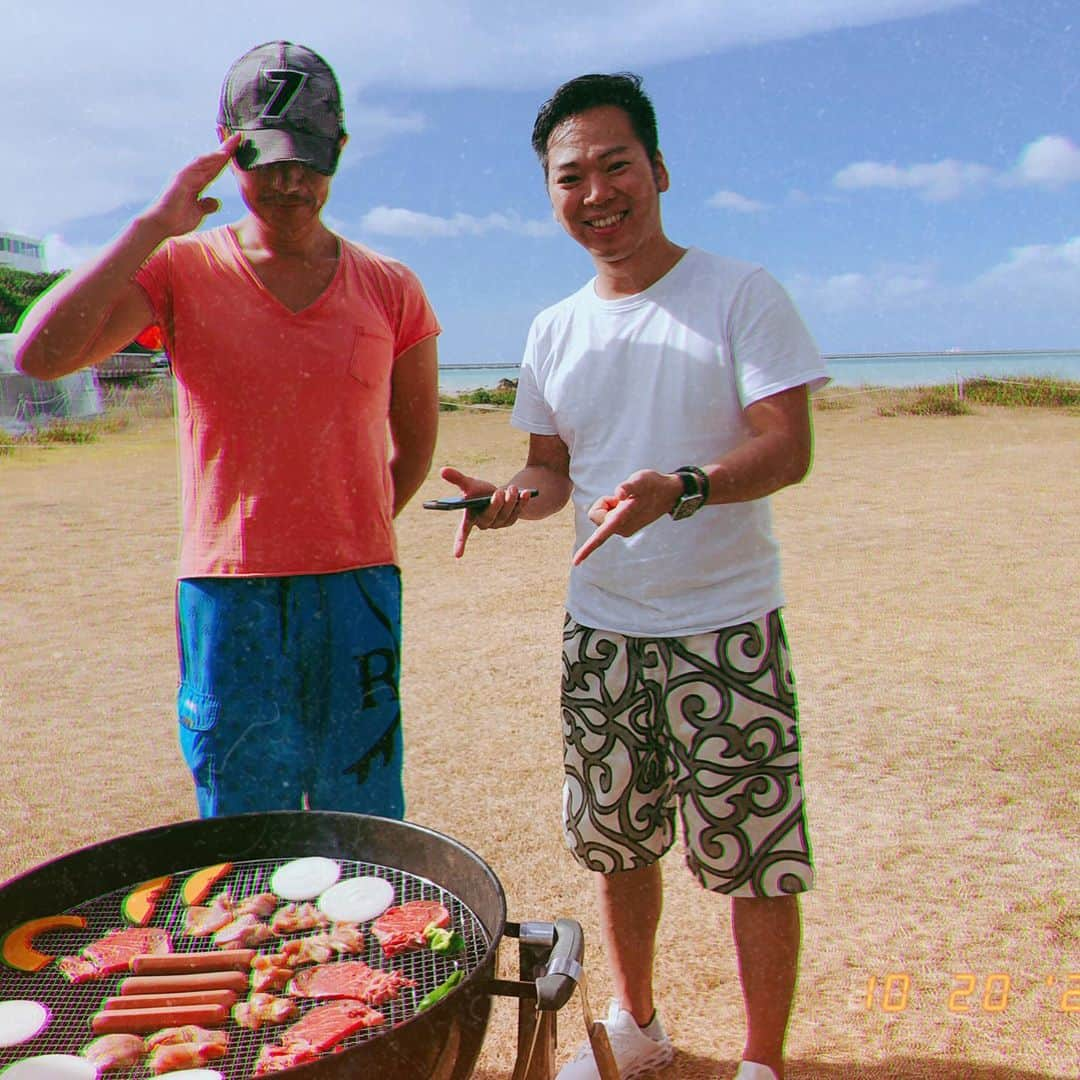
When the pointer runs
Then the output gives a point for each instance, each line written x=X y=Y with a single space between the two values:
x=862 y=369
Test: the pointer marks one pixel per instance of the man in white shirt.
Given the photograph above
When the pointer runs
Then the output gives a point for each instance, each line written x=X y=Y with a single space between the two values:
x=668 y=398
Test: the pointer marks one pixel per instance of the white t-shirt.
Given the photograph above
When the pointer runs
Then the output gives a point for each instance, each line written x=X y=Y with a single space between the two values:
x=655 y=381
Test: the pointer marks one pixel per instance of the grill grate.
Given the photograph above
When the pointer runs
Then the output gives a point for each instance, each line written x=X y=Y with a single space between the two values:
x=72 y=1005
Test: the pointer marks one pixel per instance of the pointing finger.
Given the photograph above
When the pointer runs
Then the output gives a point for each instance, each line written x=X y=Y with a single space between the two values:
x=608 y=528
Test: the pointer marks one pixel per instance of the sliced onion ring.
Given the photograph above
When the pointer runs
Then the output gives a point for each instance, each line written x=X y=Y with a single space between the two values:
x=304 y=879
x=20 y=1021
x=196 y=1074
x=51 y=1067
x=356 y=899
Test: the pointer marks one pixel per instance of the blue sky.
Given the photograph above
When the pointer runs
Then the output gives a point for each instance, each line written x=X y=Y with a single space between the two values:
x=909 y=169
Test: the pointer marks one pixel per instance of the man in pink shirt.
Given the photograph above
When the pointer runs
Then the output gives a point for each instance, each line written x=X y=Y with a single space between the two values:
x=307 y=408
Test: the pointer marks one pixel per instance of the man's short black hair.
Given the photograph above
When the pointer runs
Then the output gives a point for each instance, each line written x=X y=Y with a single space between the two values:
x=623 y=90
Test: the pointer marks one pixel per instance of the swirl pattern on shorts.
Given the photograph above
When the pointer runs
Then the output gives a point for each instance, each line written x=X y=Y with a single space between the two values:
x=707 y=723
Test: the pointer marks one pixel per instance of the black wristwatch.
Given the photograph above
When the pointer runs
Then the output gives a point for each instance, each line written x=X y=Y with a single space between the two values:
x=695 y=494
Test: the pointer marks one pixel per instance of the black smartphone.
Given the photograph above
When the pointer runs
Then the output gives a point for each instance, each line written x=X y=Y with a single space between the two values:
x=474 y=502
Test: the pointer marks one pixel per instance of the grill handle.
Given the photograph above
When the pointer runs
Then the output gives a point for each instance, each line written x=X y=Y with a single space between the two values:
x=555 y=987
x=555 y=951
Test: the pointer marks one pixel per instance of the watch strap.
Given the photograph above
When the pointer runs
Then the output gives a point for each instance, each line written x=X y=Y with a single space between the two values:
x=695 y=475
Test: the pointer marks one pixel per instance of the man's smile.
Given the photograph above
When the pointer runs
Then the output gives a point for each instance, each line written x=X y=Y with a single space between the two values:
x=608 y=221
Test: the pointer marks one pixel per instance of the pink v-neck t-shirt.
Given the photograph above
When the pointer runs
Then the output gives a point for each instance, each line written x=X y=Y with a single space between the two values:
x=282 y=415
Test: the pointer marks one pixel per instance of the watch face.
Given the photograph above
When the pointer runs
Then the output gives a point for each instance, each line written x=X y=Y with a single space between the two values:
x=686 y=506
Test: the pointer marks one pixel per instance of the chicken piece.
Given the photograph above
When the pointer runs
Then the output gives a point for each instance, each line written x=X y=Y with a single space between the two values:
x=310 y=950
x=262 y=905
x=187 y=1055
x=347 y=938
x=188 y=1033
x=201 y=921
x=114 y=1052
x=269 y=972
x=342 y=938
x=244 y=932
x=260 y=1009
x=292 y=918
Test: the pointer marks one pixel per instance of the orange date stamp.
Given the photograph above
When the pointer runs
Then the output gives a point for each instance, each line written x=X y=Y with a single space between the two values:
x=970 y=993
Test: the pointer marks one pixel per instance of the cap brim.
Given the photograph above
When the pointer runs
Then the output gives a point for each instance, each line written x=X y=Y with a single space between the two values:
x=268 y=146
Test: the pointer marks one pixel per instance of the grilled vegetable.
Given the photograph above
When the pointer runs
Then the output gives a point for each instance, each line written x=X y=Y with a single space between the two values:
x=197 y=887
x=18 y=949
x=443 y=940
x=440 y=991
x=139 y=904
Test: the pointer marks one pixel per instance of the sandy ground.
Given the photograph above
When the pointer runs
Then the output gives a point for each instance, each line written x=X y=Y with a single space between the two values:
x=932 y=569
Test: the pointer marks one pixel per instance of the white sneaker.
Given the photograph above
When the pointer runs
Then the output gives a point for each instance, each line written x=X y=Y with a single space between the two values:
x=635 y=1052
x=751 y=1070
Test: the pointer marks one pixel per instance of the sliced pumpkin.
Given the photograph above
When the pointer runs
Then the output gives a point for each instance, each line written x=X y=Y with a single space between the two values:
x=18 y=949
x=139 y=904
x=197 y=887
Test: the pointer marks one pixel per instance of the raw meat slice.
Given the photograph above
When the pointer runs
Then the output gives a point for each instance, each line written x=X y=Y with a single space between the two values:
x=349 y=979
x=318 y=1031
x=402 y=928
x=114 y=952
x=327 y=1025
x=275 y=1058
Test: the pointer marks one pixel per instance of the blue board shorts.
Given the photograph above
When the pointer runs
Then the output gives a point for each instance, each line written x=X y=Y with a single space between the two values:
x=288 y=694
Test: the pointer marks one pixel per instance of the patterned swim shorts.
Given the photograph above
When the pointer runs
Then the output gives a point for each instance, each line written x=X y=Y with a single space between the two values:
x=707 y=722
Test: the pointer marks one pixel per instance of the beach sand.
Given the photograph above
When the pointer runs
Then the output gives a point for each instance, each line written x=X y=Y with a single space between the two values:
x=931 y=568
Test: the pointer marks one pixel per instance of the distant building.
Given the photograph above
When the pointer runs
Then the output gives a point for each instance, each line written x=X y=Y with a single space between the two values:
x=22 y=252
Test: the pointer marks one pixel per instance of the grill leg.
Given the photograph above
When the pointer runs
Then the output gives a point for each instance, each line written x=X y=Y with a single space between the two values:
x=536 y=1029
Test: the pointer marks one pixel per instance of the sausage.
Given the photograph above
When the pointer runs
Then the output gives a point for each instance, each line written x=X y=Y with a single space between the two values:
x=137 y=1021
x=189 y=963
x=179 y=984
x=168 y=1001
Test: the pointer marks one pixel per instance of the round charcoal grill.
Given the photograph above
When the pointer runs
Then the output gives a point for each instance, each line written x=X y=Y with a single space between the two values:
x=441 y=1042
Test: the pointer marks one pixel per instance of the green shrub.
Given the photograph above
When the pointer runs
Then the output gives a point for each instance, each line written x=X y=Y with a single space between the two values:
x=926 y=401
x=67 y=431
x=502 y=397
x=1031 y=390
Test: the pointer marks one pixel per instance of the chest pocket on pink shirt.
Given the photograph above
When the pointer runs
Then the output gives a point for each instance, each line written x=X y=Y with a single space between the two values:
x=372 y=355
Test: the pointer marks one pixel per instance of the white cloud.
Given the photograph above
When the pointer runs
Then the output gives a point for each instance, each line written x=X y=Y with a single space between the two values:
x=370 y=125
x=105 y=102
x=936 y=182
x=395 y=221
x=884 y=287
x=1051 y=161
x=1027 y=299
x=732 y=200
x=1039 y=275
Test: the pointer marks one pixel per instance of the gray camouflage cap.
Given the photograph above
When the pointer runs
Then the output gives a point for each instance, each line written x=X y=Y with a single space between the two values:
x=286 y=102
